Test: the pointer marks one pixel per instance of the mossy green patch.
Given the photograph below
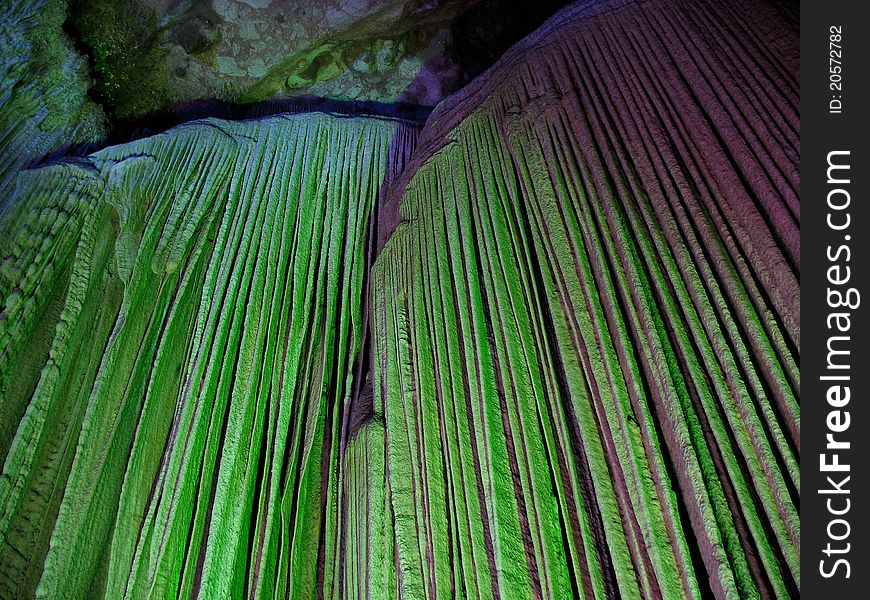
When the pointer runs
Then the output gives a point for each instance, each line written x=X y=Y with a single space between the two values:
x=129 y=65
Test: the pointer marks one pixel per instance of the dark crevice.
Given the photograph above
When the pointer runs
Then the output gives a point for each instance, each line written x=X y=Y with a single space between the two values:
x=483 y=33
x=71 y=29
x=125 y=130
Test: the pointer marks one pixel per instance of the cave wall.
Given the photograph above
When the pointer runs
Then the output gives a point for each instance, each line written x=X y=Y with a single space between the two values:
x=545 y=347
x=44 y=82
x=587 y=317
x=181 y=323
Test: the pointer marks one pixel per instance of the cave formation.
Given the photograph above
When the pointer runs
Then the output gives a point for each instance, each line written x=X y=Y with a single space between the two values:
x=543 y=343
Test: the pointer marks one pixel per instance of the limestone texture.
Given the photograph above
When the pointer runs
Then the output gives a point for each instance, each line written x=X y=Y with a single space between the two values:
x=43 y=89
x=587 y=317
x=149 y=55
x=545 y=346
x=177 y=342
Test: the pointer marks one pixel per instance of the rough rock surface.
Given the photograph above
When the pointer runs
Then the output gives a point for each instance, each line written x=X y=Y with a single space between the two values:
x=587 y=318
x=43 y=89
x=180 y=322
x=570 y=372
x=151 y=54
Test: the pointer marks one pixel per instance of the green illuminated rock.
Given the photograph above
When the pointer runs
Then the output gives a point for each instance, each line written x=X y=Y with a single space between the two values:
x=43 y=89
x=181 y=319
x=545 y=347
x=586 y=320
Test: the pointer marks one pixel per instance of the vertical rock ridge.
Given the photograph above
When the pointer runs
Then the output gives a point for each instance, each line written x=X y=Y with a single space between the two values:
x=597 y=275
x=545 y=347
x=205 y=286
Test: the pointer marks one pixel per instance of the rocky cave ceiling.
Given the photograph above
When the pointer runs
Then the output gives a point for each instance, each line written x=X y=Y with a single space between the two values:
x=150 y=55
x=542 y=343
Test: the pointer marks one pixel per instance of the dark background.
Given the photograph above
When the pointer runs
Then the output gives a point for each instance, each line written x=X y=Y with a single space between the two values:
x=821 y=133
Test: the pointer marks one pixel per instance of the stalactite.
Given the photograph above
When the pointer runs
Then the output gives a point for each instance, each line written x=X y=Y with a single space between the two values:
x=197 y=296
x=588 y=319
x=545 y=347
